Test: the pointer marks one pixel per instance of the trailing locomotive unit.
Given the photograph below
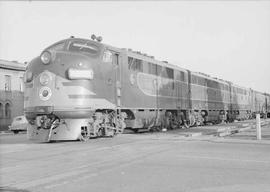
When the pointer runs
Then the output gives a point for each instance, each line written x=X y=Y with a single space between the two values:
x=78 y=88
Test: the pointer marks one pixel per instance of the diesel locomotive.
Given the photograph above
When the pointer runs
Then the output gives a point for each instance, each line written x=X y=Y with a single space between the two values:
x=81 y=88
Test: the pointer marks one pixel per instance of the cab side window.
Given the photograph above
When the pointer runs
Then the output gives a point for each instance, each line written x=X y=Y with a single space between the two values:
x=135 y=64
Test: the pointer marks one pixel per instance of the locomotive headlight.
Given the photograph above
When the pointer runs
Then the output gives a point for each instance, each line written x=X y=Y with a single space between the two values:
x=80 y=74
x=45 y=57
x=44 y=78
x=45 y=93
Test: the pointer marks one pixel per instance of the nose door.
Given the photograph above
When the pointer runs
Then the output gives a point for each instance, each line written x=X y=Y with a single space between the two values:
x=118 y=85
x=112 y=76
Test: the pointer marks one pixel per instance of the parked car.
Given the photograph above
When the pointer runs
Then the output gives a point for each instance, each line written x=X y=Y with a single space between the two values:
x=19 y=123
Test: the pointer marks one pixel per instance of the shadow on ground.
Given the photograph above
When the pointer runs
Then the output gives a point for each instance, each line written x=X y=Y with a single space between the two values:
x=12 y=189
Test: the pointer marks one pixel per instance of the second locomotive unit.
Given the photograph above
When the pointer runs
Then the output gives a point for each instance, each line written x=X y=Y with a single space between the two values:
x=80 y=88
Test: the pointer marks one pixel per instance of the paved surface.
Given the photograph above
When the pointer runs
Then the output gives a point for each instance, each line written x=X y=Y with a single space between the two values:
x=170 y=161
x=250 y=134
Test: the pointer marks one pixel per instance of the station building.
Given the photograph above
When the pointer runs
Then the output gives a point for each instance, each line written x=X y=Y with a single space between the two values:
x=11 y=91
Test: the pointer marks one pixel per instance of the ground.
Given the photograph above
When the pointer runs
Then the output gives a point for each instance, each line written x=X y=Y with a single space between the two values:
x=168 y=161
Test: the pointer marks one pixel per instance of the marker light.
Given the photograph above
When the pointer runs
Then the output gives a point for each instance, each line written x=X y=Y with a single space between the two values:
x=28 y=76
x=45 y=57
x=99 y=38
x=93 y=37
x=44 y=78
x=80 y=74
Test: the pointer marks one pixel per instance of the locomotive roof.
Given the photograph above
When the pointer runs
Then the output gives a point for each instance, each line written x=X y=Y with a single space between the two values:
x=241 y=87
x=151 y=59
x=209 y=77
x=261 y=93
x=131 y=53
x=75 y=39
x=12 y=65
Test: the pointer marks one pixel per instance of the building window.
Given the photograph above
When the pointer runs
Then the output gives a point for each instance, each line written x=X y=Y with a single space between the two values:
x=7 y=111
x=1 y=110
x=21 y=84
x=7 y=83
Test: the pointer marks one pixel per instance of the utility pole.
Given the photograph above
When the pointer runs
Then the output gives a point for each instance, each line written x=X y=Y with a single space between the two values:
x=258 y=127
x=266 y=110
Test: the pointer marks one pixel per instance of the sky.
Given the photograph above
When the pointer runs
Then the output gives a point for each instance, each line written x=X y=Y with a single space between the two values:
x=225 y=39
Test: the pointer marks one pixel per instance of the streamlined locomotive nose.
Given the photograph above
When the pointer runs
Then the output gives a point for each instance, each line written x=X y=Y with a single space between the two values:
x=64 y=87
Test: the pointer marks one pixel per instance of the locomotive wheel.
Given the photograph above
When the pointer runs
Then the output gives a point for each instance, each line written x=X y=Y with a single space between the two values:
x=84 y=137
x=114 y=133
x=99 y=133
x=192 y=121
x=158 y=128
x=135 y=130
x=187 y=125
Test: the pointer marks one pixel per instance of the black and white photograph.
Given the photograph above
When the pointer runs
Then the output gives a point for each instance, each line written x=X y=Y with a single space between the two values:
x=135 y=96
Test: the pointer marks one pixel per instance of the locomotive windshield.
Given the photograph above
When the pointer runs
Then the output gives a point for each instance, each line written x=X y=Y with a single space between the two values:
x=84 y=46
x=56 y=47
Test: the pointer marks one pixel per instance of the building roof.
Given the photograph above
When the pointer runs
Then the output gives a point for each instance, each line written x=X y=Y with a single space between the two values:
x=12 y=65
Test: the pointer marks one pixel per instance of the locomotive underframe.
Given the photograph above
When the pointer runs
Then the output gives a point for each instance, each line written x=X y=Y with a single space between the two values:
x=50 y=127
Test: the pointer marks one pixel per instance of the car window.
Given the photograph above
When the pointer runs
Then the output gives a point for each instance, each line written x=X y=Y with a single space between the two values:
x=18 y=119
x=57 y=47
